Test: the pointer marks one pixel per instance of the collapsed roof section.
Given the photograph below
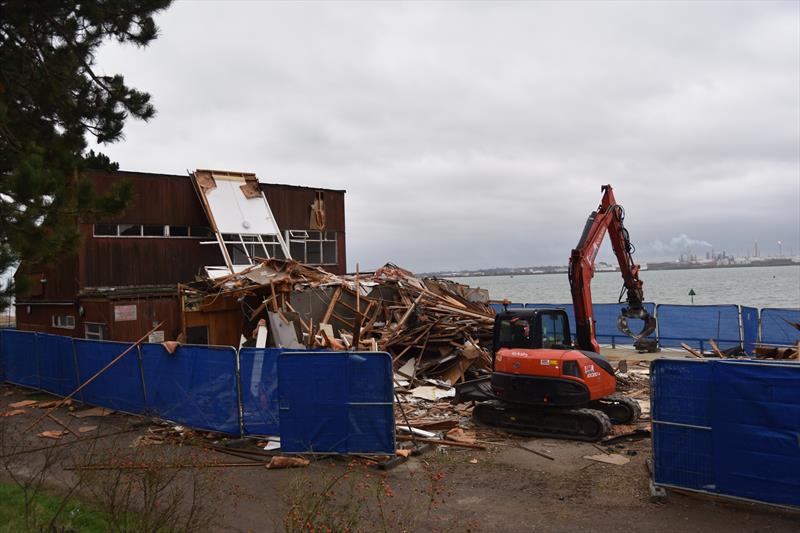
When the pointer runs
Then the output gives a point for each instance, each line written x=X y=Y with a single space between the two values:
x=241 y=219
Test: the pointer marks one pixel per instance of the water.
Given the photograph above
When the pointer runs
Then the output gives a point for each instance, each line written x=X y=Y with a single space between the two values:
x=754 y=286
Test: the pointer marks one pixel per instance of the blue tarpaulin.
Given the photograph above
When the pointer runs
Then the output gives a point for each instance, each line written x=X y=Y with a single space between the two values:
x=119 y=387
x=338 y=402
x=195 y=385
x=728 y=427
x=777 y=328
x=696 y=324
x=57 y=372
x=20 y=355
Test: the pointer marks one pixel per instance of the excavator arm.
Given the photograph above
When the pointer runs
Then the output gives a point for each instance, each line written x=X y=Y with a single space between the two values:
x=608 y=218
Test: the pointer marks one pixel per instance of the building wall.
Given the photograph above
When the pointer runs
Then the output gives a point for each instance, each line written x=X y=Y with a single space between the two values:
x=158 y=199
x=291 y=206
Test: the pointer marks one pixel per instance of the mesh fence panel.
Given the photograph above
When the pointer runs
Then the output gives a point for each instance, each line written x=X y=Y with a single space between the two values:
x=696 y=324
x=195 y=386
x=57 y=372
x=776 y=326
x=119 y=387
x=258 y=379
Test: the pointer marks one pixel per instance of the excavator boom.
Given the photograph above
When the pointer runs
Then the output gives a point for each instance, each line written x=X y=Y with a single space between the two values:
x=607 y=218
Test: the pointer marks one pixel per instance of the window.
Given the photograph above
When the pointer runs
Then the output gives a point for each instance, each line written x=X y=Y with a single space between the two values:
x=130 y=230
x=95 y=331
x=552 y=330
x=515 y=332
x=64 y=321
x=202 y=231
x=153 y=231
x=313 y=247
x=245 y=249
x=105 y=230
x=178 y=231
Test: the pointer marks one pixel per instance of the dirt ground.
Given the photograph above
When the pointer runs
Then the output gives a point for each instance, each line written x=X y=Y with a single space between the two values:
x=504 y=488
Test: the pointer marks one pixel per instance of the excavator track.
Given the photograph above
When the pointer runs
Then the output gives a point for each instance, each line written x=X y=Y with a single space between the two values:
x=589 y=425
x=620 y=409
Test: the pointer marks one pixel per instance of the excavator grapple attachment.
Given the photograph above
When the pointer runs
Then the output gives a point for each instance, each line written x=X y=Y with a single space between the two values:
x=640 y=314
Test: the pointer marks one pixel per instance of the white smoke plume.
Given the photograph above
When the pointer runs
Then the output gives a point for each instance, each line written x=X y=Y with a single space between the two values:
x=679 y=243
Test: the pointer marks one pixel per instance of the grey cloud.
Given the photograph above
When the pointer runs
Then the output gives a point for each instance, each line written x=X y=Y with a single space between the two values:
x=478 y=134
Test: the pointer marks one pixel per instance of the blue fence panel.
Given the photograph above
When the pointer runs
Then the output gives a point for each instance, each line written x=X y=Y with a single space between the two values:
x=756 y=419
x=336 y=402
x=195 y=386
x=749 y=329
x=57 y=372
x=776 y=327
x=696 y=324
x=21 y=362
x=728 y=427
x=2 y=360
x=119 y=387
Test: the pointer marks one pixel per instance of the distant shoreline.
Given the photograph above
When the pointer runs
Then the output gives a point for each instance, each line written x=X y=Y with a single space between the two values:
x=650 y=267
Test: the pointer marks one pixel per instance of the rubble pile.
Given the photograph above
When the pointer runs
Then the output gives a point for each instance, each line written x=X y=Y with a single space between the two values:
x=433 y=328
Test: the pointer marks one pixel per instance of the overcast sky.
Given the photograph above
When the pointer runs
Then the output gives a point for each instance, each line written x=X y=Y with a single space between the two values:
x=475 y=135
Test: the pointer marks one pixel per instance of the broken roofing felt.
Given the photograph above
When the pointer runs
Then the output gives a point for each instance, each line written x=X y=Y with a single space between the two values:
x=433 y=328
x=240 y=218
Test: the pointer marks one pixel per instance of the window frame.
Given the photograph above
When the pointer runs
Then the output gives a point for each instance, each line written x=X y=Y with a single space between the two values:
x=56 y=321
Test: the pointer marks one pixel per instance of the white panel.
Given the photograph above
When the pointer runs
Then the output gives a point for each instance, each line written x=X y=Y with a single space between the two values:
x=235 y=213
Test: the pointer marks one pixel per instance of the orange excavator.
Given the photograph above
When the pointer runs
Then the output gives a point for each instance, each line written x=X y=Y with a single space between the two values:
x=543 y=384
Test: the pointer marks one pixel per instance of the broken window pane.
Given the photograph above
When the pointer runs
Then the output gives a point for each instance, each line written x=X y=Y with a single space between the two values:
x=105 y=230
x=179 y=231
x=153 y=231
x=131 y=230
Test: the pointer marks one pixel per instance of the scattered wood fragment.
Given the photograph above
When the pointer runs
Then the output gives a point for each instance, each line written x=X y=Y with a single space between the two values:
x=53 y=434
x=280 y=461
x=442 y=442
x=94 y=411
x=23 y=403
x=87 y=429
x=691 y=350
x=611 y=459
x=13 y=412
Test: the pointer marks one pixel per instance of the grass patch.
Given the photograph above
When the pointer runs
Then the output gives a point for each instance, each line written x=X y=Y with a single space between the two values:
x=74 y=516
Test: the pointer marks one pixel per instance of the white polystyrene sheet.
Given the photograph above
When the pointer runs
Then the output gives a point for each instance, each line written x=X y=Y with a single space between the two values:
x=235 y=213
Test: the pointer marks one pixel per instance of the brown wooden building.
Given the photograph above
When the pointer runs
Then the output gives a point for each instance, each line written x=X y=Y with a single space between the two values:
x=123 y=279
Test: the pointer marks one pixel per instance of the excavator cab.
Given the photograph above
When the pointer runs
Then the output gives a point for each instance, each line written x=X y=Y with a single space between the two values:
x=531 y=329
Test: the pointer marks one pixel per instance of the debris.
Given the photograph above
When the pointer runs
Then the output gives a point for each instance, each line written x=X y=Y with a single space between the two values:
x=273 y=443
x=427 y=392
x=611 y=459
x=458 y=435
x=87 y=429
x=403 y=452
x=53 y=434
x=473 y=461
x=23 y=403
x=93 y=411
x=55 y=403
x=442 y=442
x=691 y=350
x=280 y=461
x=14 y=412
